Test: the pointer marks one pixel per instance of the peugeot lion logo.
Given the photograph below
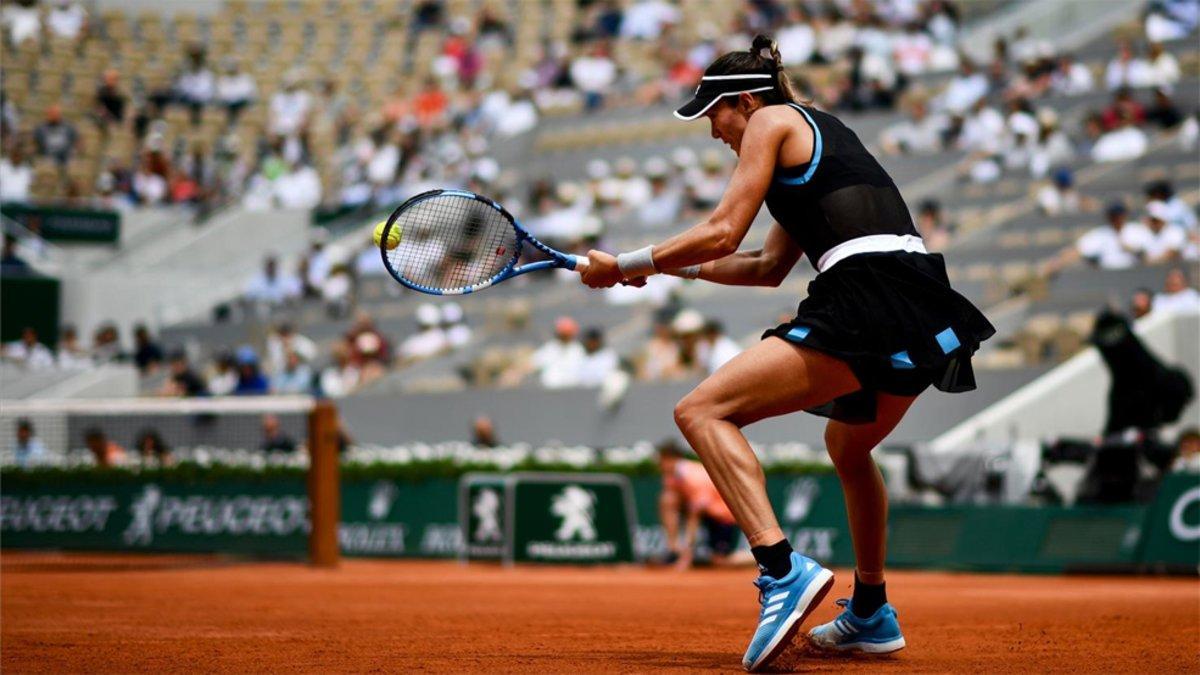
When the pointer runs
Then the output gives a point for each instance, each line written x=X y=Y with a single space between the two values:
x=486 y=508
x=577 y=508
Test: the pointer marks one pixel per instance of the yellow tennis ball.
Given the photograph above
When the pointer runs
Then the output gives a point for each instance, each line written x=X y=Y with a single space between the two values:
x=393 y=235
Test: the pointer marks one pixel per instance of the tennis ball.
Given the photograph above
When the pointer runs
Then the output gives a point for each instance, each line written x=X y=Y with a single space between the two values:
x=393 y=235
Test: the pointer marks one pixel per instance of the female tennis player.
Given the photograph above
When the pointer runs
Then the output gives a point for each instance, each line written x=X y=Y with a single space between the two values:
x=879 y=325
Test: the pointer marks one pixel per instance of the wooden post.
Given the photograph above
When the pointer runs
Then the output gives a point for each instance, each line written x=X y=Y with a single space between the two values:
x=324 y=485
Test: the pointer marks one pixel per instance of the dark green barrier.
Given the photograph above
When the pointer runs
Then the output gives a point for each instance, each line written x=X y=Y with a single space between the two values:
x=1172 y=530
x=29 y=300
x=61 y=223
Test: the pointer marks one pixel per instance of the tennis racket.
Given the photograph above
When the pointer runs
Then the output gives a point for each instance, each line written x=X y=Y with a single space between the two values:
x=454 y=242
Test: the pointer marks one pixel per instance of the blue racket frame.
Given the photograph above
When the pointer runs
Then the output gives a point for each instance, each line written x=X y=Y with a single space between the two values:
x=557 y=258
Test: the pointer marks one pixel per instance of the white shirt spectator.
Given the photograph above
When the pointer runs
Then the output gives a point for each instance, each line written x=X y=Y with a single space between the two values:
x=644 y=20
x=197 y=86
x=915 y=135
x=964 y=90
x=1185 y=301
x=151 y=188
x=593 y=74
x=24 y=23
x=236 y=88
x=596 y=367
x=722 y=351
x=797 y=43
x=299 y=189
x=912 y=51
x=1164 y=70
x=662 y=208
x=1076 y=80
x=1179 y=213
x=37 y=357
x=66 y=20
x=281 y=288
x=1119 y=145
x=559 y=363
x=338 y=381
x=1144 y=241
x=983 y=131
x=381 y=170
x=517 y=118
x=1102 y=245
x=424 y=344
x=1135 y=72
x=15 y=180
x=278 y=347
x=74 y=360
x=289 y=111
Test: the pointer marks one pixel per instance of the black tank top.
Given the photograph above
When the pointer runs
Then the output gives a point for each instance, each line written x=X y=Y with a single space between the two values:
x=841 y=194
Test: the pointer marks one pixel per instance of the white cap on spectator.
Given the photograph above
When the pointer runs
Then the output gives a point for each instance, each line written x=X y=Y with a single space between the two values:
x=625 y=167
x=712 y=159
x=1158 y=210
x=428 y=315
x=655 y=167
x=688 y=321
x=567 y=192
x=487 y=169
x=451 y=313
x=597 y=169
x=684 y=158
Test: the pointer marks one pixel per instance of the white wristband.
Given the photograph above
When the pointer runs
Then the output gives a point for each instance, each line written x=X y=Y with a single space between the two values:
x=639 y=263
x=689 y=272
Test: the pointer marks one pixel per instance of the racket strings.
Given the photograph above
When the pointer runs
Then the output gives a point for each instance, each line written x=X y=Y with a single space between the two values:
x=451 y=242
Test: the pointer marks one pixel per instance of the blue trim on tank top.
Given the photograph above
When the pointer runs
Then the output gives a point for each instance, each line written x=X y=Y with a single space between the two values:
x=816 y=156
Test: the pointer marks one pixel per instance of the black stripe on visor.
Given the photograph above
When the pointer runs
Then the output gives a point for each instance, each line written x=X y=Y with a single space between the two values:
x=715 y=87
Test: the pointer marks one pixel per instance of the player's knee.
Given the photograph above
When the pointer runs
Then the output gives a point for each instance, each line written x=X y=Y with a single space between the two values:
x=841 y=448
x=690 y=412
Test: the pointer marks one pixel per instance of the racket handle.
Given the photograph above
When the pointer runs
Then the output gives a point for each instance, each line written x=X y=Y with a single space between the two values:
x=581 y=262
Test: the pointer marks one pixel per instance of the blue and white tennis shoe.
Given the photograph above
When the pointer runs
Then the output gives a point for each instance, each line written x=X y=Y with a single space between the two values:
x=879 y=634
x=786 y=603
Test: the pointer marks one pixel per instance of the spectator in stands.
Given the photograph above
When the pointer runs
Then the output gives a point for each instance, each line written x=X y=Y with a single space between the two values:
x=1123 y=143
x=29 y=449
x=272 y=287
x=1123 y=106
x=16 y=175
x=431 y=105
x=105 y=451
x=483 y=432
x=1103 y=247
x=298 y=187
x=1178 y=212
x=454 y=325
x=23 y=20
x=665 y=201
x=1072 y=78
x=1127 y=69
x=251 y=381
x=274 y=439
x=55 y=138
x=110 y=99
x=28 y=352
x=647 y=19
x=150 y=184
x=558 y=362
x=67 y=20
x=1177 y=297
x=1163 y=67
x=1163 y=111
x=235 y=88
x=294 y=378
x=921 y=133
x=182 y=381
x=594 y=74
x=71 y=354
x=152 y=450
x=1061 y=197
x=1187 y=451
x=341 y=377
x=147 y=354
x=290 y=107
x=1155 y=241
x=370 y=351
x=932 y=226
x=599 y=362
x=11 y=261
x=660 y=359
x=704 y=188
x=1050 y=147
x=224 y=377
x=967 y=88
x=1141 y=303
x=796 y=38
x=283 y=340
x=196 y=85
x=106 y=344
x=716 y=348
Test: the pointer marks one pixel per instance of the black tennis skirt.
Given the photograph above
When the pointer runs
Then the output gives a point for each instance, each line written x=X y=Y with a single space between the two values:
x=893 y=318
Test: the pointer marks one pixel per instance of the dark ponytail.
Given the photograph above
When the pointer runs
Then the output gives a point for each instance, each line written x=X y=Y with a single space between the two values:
x=763 y=57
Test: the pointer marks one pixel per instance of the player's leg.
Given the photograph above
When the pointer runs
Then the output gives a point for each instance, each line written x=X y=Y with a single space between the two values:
x=771 y=378
x=868 y=623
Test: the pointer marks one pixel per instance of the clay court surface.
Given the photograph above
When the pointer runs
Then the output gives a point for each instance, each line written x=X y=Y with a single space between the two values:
x=110 y=613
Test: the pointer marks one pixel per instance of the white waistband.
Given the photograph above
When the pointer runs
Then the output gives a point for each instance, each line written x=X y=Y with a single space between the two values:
x=870 y=244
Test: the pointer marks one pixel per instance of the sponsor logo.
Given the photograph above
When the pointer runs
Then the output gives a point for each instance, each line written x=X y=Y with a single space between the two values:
x=441 y=539
x=154 y=513
x=383 y=495
x=801 y=495
x=375 y=537
x=486 y=509
x=814 y=542
x=1180 y=528
x=56 y=513
x=575 y=537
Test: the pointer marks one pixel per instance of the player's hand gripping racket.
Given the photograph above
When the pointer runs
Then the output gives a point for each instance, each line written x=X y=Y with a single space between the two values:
x=453 y=242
